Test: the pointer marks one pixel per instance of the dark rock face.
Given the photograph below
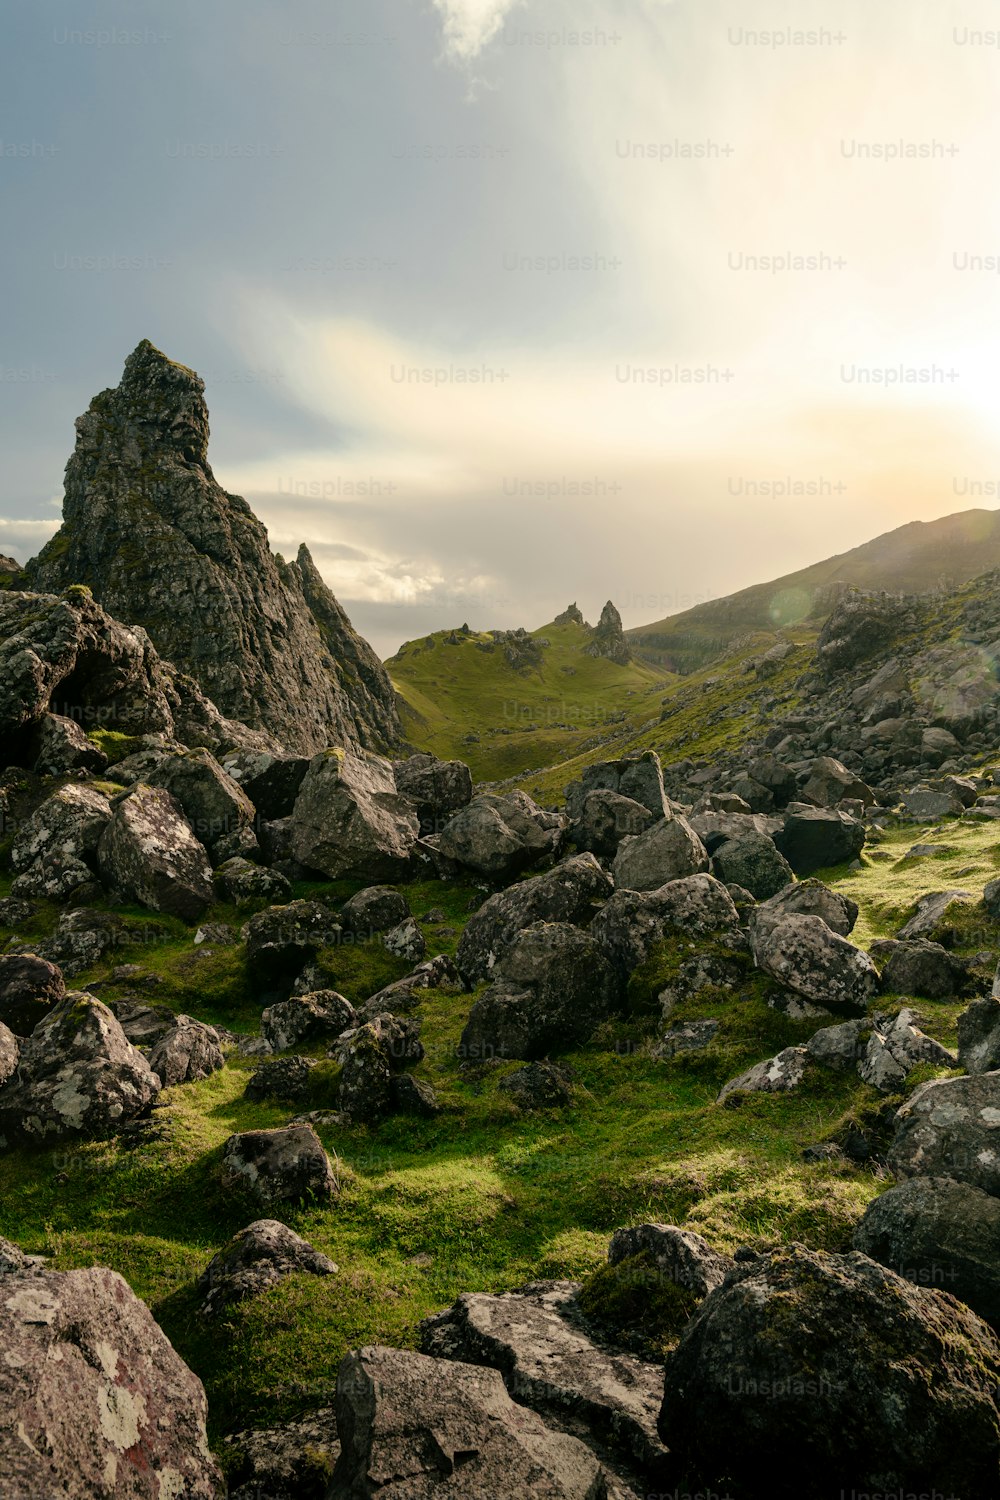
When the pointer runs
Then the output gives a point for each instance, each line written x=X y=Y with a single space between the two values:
x=163 y=546
x=29 y=987
x=189 y=1051
x=819 y=838
x=639 y=777
x=413 y=1426
x=286 y=1078
x=88 y=1379
x=814 y=1374
x=279 y=1166
x=438 y=788
x=369 y=1057
x=631 y=923
x=540 y=1085
x=554 y=986
x=608 y=639
x=149 y=854
x=258 y=1257
x=212 y=802
x=291 y=1462
x=605 y=819
x=548 y=1363
x=685 y=1258
x=77 y=1075
x=919 y=967
x=938 y=1233
x=281 y=940
x=499 y=836
x=570 y=892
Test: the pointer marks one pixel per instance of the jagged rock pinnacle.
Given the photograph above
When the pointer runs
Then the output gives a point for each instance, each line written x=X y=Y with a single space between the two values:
x=162 y=545
x=608 y=639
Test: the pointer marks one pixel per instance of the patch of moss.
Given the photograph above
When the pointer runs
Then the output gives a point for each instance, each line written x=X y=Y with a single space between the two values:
x=637 y=1305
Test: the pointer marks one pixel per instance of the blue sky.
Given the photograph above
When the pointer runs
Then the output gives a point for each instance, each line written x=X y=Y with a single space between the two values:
x=489 y=296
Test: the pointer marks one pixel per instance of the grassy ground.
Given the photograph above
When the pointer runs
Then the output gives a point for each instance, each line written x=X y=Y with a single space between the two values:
x=481 y=1197
x=523 y=719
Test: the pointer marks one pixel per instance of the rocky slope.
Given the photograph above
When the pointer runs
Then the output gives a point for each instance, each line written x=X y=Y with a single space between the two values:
x=149 y=530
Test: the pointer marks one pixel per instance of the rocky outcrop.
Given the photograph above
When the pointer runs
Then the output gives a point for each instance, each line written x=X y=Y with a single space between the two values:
x=608 y=638
x=631 y=924
x=349 y=819
x=93 y=1398
x=148 y=528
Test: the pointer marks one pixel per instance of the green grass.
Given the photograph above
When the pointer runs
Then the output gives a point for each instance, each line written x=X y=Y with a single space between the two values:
x=523 y=719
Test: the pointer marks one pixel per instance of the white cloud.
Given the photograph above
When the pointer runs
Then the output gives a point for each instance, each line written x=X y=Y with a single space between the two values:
x=470 y=25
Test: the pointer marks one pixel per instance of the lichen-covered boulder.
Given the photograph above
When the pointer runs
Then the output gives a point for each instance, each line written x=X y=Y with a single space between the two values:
x=978 y=1034
x=189 y=1051
x=369 y=1057
x=683 y=1257
x=752 y=861
x=9 y=1053
x=377 y=908
x=776 y=1075
x=54 y=854
x=258 y=1257
x=498 y=837
x=148 y=854
x=805 y=898
x=805 y=1364
x=817 y=838
x=605 y=819
x=94 y=1400
x=29 y=987
x=349 y=819
x=281 y=940
x=61 y=747
x=279 y=1166
x=802 y=953
x=306 y=1018
x=438 y=788
x=919 y=967
x=668 y=850
x=241 y=881
x=630 y=925
x=570 y=892
x=950 y=1128
x=214 y=805
x=78 y=1074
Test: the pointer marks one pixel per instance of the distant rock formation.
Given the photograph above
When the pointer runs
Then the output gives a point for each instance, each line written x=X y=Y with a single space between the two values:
x=571 y=615
x=149 y=529
x=608 y=639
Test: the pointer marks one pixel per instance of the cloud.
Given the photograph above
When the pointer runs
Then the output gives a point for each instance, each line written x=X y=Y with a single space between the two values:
x=470 y=25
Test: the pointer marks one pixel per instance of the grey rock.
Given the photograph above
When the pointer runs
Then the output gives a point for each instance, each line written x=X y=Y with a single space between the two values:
x=439 y=973
x=570 y=892
x=256 y=1258
x=279 y=1166
x=807 y=898
x=438 y=788
x=306 y=1018
x=282 y=1078
x=406 y=941
x=632 y=923
x=375 y=909
x=240 y=881
x=55 y=853
x=753 y=862
x=925 y=806
x=413 y=1096
x=830 y=782
x=213 y=803
x=895 y=1047
x=88 y=1381
x=687 y=1036
x=669 y=850
x=538 y=1085
x=803 y=954
x=29 y=987
x=148 y=854
x=189 y=1052
x=790 y=1370
x=776 y=1075
x=934 y=916
x=270 y=780
x=919 y=967
x=979 y=1036
x=683 y=1257
x=637 y=777
x=9 y=1052
x=498 y=837
x=608 y=638
x=605 y=819
x=77 y=1075
x=951 y=1128
x=816 y=838
x=290 y=1462
x=840 y=1047
x=349 y=819
x=281 y=940
x=61 y=746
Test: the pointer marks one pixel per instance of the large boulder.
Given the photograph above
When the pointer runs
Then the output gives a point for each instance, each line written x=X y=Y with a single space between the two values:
x=817 y=838
x=938 y=1233
x=94 y=1400
x=189 y=1051
x=680 y=1255
x=807 y=898
x=830 y=782
x=242 y=882
x=605 y=819
x=919 y=967
x=349 y=819
x=377 y=908
x=437 y=788
x=258 y=1257
x=306 y=1018
x=54 y=854
x=370 y=1057
x=978 y=1036
x=553 y=987
x=414 y=1426
x=638 y=777
x=271 y=781
x=279 y=1166
x=630 y=925
x=148 y=854
x=570 y=892
x=29 y=987
x=78 y=1074
x=292 y=1461
x=281 y=940
x=549 y=1363
x=802 y=954
x=753 y=862
x=669 y=850
x=896 y=1046
x=497 y=837
x=807 y=1373
x=216 y=808
x=950 y=1128
x=61 y=747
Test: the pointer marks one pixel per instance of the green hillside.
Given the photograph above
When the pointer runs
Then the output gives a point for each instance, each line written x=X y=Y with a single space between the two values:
x=461 y=697
x=913 y=559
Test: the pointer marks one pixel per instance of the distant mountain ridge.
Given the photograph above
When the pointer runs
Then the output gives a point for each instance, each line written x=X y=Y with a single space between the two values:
x=917 y=558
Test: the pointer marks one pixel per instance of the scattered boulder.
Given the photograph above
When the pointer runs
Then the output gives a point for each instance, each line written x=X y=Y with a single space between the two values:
x=349 y=819
x=774 y=775
x=570 y=892
x=669 y=850
x=279 y=1166
x=257 y=1258
x=937 y=745
x=148 y=854
x=54 y=854
x=605 y=819
x=78 y=1074
x=549 y=1364
x=406 y=941
x=895 y=1047
x=924 y=805
x=61 y=747
x=290 y=1462
x=83 y=937
x=375 y=909
x=840 y=1047
x=935 y=917
x=538 y=1085
x=553 y=987
x=753 y=862
x=831 y=782
x=413 y=1096
x=637 y=777
x=271 y=781
x=241 y=881
x=979 y=1036
x=29 y=987
x=777 y=1075
x=816 y=838
x=438 y=788
x=189 y=1052
x=498 y=837
x=791 y=1369
x=281 y=940
x=938 y=1233
x=950 y=1128
x=282 y=1078
x=686 y=1036
x=405 y=994
x=685 y=1258
x=807 y=898
x=408 y=1423
x=213 y=803
x=93 y=1398
x=369 y=1056
x=632 y=923
x=803 y=954
x=306 y=1018
x=919 y=967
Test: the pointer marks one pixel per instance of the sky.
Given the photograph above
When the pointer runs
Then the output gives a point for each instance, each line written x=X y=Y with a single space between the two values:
x=506 y=303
